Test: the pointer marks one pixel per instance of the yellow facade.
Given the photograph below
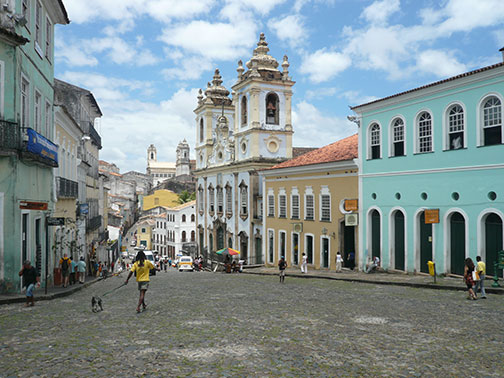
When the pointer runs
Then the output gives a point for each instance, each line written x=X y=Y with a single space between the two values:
x=144 y=234
x=162 y=197
x=339 y=181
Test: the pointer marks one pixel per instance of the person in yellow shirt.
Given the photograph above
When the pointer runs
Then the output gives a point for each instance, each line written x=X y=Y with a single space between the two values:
x=142 y=267
x=481 y=269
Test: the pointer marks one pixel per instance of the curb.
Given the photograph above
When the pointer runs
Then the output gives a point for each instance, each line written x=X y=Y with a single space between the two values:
x=48 y=297
x=490 y=290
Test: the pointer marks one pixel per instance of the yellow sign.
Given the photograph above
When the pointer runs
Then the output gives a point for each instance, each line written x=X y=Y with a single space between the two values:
x=351 y=205
x=431 y=216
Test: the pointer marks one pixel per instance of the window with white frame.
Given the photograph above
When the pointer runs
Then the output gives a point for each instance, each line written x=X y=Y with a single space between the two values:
x=243 y=200
x=325 y=207
x=48 y=124
x=220 y=200
x=211 y=199
x=295 y=206
x=455 y=127
x=25 y=103
x=374 y=141
x=424 y=132
x=271 y=205
x=398 y=137
x=38 y=112
x=229 y=199
x=309 y=207
x=38 y=27
x=282 y=206
x=48 y=43
x=492 y=121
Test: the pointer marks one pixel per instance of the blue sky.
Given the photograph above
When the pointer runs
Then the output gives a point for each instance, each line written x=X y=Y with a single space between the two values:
x=144 y=60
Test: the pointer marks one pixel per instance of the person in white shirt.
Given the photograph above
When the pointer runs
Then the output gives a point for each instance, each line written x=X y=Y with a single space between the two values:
x=304 y=264
x=374 y=265
x=339 y=260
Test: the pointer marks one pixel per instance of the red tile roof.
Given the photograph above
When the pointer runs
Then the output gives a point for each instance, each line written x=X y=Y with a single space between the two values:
x=344 y=149
x=433 y=84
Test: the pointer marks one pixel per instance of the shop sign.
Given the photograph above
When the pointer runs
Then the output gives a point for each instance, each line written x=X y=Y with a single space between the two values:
x=84 y=208
x=431 y=216
x=41 y=146
x=30 y=205
x=351 y=205
x=51 y=221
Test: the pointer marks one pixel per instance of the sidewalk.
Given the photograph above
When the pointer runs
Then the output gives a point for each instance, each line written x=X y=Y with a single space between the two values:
x=52 y=292
x=381 y=278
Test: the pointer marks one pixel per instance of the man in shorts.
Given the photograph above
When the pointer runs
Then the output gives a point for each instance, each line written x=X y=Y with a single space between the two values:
x=31 y=278
x=142 y=267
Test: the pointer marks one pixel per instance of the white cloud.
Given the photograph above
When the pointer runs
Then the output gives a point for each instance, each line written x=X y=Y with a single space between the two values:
x=323 y=65
x=188 y=69
x=320 y=93
x=289 y=28
x=73 y=55
x=311 y=126
x=219 y=41
x=440 y=63
x=262 y=7
x=379 y=11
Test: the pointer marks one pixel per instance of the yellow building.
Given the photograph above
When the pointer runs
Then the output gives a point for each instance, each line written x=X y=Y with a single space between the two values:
x=144 y=232
x=162 y=197
x=304 y=206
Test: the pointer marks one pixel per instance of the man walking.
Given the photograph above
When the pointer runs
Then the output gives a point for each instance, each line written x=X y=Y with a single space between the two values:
x=481 y=270
x=30 y=279
x=304 y=264
x=282 y=264
x=81 y=270
x=66 y=265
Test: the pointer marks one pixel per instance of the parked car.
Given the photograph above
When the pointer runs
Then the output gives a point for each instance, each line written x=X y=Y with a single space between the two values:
x=185 y=263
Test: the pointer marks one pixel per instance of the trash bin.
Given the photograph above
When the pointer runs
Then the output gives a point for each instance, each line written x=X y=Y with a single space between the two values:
x=432 y=270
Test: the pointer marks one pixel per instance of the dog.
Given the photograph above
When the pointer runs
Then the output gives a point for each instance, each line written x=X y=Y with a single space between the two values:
x=96 y=304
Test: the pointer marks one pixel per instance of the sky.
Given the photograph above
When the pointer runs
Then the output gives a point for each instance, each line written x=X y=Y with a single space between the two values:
x=144 y=60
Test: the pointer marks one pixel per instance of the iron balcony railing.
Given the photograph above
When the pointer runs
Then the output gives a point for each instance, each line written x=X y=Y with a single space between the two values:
x=10 y=136
x=94 y=135
x=94 y=223
x=67 y=188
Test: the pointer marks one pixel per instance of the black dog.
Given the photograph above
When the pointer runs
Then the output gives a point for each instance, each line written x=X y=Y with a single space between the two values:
x=96 y=304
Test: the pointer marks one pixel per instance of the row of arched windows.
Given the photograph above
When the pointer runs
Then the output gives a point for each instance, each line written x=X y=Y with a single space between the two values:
x=454 y=125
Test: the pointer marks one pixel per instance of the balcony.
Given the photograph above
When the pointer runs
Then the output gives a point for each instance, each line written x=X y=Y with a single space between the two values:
x=95 y=137
x=94 y=223
x=38 y=149
x=67 y=188
x=10 y=137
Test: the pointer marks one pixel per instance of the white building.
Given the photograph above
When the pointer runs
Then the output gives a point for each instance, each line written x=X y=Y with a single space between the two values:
x=158 y=170
x=159 y=234
x=181 y=227
x=236 y=138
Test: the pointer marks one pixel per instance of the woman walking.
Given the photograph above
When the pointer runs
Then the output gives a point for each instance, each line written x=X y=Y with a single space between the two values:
x=468 y=278
x=142 y=267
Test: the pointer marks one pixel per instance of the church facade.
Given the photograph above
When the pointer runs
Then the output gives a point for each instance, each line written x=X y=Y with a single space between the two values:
x=236 y=138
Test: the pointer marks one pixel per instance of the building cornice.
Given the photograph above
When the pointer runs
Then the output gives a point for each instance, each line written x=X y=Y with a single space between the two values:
x=312 y=168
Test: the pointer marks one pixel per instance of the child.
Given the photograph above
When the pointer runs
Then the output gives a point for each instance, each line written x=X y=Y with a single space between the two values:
x=142 y=267
x=282 y=264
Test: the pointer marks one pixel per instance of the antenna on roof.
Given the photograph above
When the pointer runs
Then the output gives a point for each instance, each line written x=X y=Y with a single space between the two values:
x=502 y=51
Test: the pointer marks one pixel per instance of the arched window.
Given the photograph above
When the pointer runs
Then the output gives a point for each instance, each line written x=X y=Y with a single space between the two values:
x=220 y=200
x=398 y=137
x=192 y=218
x=492 y=121
x=183 y=236
x=183 y=218
x=201 y=130
x=455 y=127
x=272 y=109
x=374 y=141
x=424 y=133
x=244 y=110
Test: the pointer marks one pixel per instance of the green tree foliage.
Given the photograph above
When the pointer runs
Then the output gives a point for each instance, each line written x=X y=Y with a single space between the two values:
x=185 y=197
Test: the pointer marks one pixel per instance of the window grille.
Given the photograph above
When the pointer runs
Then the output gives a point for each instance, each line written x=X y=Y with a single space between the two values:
x=325 y=207
x=295 y=206
x=310 y=207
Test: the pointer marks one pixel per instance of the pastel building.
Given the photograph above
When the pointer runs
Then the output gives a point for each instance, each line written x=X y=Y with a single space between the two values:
x=304 y=206
x=431 y=185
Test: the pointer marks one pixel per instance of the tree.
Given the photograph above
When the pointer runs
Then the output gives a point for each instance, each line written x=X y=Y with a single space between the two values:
x=185 y=197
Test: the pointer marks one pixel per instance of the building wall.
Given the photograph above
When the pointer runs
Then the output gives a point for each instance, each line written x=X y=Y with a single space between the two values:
x=340 y=184
x=160 y=198
x=453 y=181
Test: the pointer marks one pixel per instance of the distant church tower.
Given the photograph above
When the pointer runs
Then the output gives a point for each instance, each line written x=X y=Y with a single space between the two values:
x=183 y=166
x=151 y=154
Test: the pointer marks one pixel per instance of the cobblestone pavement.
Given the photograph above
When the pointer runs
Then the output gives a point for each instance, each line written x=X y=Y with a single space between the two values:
x=220 y=325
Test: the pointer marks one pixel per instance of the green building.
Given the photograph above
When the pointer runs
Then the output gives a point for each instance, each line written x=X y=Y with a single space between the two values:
x=27 y=153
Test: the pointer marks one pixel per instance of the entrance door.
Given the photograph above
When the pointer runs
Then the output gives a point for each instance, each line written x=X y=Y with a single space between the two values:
x=493 y=241
x=258 y=250
x=325 y=253
x=425 y=244
x=375 y=234
x=399 y=239
x=220 y=238
x=201 y=242
x=38 y=246
x=348 y=240
x=457 y=243
x=295 y=249
x=244 y=248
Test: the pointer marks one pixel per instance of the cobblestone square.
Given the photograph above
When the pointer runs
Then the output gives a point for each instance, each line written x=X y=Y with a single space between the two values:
x=221 y=325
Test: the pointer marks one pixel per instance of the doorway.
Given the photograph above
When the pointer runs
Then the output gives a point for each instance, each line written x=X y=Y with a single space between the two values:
x=348 y=240
x=425 y=243
x=375 y=234
x=399 y=240
x=325 y=253
x=493 y=241
x=244 y=247
x=295 y=249
x=38 y=245
x=258 y=250
x=457 y=243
